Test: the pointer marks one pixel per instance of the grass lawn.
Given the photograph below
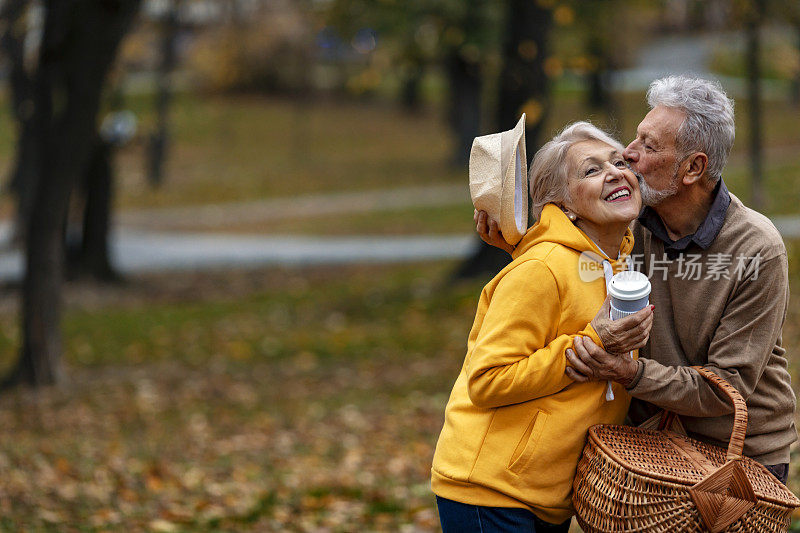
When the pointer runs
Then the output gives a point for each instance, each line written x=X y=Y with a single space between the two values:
x=276 y=401
x=245 y=148
x=230 y=149
x=269 y=400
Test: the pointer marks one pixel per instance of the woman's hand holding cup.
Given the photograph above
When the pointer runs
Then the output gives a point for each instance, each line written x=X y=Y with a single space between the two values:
x=624 y=334
x=626 y=316
x=620 y=337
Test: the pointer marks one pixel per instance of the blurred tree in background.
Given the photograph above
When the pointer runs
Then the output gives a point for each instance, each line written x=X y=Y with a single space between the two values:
x=523 y=87
x=458 y=37
x=524 y=80
x=602 y=53
x=157 y=148
x=753 y=12
x=464 y=51
x=16 y=15
x=78 y=45
x=474 y=36
x=255 y=47
x=793 y=16
x=476 y=63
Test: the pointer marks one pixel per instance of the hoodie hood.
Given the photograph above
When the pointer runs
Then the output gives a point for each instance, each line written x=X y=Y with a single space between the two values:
x=554 y=227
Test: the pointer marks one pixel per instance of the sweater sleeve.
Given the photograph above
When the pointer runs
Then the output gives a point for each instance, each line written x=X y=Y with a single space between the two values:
x=518 y=355
x=739 y=351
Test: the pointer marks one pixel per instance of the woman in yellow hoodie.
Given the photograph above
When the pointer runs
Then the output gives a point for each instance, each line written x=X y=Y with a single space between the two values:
x=515 y=424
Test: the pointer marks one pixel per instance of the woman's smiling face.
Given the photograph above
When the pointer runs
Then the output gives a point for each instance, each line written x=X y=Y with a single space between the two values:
x=603 y=191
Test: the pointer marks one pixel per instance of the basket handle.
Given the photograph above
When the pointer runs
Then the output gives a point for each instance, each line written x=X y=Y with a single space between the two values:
x=736 y=443
x=740 y=411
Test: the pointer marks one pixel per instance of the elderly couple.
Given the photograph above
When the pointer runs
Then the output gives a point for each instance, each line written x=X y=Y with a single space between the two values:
x=542 y=346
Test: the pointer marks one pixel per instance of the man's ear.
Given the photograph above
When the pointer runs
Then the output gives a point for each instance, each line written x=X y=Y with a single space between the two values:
x=696 y=165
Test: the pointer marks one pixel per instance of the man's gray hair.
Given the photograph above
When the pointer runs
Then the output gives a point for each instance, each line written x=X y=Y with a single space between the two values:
x=709 y=126
x=547 y=178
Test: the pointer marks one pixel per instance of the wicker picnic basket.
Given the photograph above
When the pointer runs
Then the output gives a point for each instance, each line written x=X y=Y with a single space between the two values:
x=646 y=480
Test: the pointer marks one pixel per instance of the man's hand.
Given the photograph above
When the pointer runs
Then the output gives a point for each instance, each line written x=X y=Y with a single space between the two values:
x=592 y=363
x=626 y=334
x=489 y=231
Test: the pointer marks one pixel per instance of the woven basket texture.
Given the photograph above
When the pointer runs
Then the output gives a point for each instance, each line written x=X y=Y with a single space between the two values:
x=641 y=480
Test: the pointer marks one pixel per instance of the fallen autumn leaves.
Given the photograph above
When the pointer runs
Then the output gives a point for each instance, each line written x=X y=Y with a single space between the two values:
x=258 y=428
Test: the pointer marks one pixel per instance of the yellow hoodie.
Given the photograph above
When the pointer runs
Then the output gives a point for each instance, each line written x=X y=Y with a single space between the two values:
x=515 y=424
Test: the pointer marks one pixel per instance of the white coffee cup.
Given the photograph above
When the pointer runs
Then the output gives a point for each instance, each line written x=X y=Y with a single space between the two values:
x=630 y=292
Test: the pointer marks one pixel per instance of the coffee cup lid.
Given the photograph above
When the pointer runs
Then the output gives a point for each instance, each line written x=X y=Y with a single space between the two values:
x=629 y=285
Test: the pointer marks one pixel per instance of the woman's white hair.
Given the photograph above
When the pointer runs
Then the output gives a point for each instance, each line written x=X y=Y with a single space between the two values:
x=709 y=126
x=547 y=177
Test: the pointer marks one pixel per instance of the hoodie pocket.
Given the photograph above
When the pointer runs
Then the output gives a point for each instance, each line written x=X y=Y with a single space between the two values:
x=527 y=444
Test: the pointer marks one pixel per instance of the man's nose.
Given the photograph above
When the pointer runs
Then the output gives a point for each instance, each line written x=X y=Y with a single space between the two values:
x=630 y=154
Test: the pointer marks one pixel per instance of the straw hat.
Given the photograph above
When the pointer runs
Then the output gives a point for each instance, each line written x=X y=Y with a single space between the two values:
x=498 y=179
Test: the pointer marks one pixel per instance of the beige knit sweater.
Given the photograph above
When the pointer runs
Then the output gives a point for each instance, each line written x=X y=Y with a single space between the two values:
x=729 y=320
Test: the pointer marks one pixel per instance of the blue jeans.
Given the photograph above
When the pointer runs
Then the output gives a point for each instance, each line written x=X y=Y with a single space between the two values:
x=458 y=517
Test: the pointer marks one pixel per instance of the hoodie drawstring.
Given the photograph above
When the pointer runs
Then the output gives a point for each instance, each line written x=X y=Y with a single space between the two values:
x=608 y=273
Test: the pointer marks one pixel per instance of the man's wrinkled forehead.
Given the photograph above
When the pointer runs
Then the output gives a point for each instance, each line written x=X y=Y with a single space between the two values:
x=661 y=124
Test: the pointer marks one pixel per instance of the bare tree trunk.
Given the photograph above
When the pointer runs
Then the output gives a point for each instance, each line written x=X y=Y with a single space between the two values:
x=465 y=82
x=409 y=94
x=523 y=84
x=794 y=91
x=159 y=142
x=523 y=81
x=599 y=95
x=24 y=170
x=465 y=104
x=93 y=259
x=80 y=40
x=753 y=24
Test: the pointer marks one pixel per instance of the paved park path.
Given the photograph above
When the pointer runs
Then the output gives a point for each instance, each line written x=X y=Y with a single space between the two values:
x=217 y=216
x=138 y=245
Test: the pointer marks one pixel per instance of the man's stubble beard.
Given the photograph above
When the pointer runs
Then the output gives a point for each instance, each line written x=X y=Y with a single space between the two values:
x=652 y=197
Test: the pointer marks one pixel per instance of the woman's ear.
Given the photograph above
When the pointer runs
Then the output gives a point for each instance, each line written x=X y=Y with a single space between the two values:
x=570 y=215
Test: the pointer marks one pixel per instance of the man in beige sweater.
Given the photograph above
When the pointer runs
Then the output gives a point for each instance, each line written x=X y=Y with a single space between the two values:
x=719 y=282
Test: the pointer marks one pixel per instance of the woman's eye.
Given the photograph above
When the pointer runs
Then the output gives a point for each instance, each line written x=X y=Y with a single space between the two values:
x=620 y=163
x=590 y=171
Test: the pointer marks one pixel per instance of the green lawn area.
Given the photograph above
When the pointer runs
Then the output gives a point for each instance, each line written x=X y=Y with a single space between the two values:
x=233 y=149
x=246 y=148
x=281 y=401
x=270 y=400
